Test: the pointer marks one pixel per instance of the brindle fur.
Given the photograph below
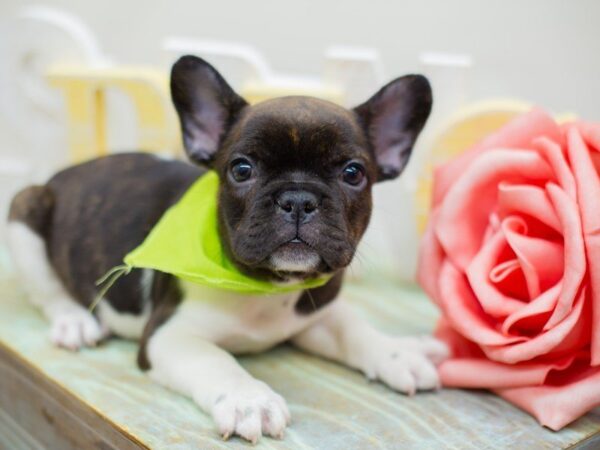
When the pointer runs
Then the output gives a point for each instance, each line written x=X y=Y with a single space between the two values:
x=91 y=215
x=33 y=206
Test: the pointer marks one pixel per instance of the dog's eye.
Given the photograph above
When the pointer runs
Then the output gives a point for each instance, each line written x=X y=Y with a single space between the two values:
x=353 y=174
x=241 y=170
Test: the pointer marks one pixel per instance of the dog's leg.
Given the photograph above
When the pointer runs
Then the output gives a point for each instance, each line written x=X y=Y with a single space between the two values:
x=403 y=363
x=239 y=404
x=72 y=325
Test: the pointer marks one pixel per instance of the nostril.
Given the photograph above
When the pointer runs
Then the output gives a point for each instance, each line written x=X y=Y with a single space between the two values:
x=309 y=207
x=286 y=205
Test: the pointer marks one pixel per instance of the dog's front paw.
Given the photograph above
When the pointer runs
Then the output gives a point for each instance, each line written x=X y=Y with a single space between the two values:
x=251 y=409
x=74 y=328
x=407 y=364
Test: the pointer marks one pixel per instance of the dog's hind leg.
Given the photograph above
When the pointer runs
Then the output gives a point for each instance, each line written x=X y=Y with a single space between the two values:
x=72 y=325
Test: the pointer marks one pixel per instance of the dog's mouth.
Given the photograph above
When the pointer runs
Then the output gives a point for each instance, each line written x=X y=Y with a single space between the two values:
x=295 y=257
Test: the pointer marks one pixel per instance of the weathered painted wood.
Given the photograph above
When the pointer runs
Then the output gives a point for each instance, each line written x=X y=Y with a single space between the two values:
x=14 y=437
x=50 y=415
x=332 y=407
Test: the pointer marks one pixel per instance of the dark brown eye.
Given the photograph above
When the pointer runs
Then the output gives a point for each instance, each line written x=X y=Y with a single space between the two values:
x=353 y=174
x=241 y=170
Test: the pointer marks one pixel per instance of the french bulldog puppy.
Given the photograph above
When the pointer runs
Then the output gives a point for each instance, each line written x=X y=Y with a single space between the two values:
x=294 y=200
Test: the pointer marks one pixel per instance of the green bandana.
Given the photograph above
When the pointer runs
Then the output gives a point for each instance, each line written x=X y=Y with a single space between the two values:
x=185 y=243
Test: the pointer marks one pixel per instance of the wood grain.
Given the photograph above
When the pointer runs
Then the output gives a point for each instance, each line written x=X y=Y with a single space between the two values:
x=97 y=398
x=51 y=416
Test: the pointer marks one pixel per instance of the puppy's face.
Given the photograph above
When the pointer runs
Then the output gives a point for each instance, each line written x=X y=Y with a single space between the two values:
x=296 y=172
x=296 y=186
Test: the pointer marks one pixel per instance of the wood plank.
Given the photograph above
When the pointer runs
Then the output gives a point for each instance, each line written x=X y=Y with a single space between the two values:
x=53 y=417
x=14 y=437
x=591 y=443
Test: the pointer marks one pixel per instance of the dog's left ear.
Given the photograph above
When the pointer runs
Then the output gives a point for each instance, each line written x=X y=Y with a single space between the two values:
x=393 y=119
x=206 y=104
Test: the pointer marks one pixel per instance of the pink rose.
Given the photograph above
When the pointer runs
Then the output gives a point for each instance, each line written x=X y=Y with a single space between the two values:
x=512 y=258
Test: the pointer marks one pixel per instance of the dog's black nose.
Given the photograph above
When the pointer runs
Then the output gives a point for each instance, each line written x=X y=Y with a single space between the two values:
x=298 y=206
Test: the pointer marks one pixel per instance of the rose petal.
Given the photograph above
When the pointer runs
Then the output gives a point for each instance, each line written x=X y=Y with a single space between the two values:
x=538 y=307
x=555 y=156
x=464 y=313
x=574 y=252
x=588 y=194
x=527 y=199
x=503 y=271
x=458 y=345
x=475 y=373
x=508 y=278
x=492 y=227
x=541 y=260
x=431 y=256
x=590 y=132
x=557 y=406
x=491 y=299
x=463 y=216
x=518 y=133
x=569 y=332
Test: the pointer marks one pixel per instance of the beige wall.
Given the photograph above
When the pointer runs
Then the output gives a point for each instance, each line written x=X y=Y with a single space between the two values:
x=546 y=51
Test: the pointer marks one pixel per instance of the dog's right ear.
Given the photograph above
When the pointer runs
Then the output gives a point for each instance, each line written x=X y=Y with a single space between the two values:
x=206 y=104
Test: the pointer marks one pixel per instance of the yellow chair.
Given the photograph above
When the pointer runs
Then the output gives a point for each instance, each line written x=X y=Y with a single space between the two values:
x=85 y=89
x=85 y=94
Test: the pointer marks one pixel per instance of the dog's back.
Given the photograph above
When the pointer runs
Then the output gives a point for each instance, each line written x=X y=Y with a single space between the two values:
x=66 y=234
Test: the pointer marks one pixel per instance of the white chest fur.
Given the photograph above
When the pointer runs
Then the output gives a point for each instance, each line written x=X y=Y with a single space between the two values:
x=241 y=323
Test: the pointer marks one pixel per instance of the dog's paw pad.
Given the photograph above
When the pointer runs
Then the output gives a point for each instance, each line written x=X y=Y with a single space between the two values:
x=250 y=410
x=76 y=328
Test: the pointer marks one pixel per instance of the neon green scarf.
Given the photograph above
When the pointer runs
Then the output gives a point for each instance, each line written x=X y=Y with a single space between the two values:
x=185 y=243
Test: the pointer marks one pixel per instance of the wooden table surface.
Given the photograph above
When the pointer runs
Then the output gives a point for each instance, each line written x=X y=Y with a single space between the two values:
x=97 y=398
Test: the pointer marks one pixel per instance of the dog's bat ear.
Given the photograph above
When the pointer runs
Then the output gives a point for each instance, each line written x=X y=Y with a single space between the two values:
x=206 y=104
x=393 y=119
